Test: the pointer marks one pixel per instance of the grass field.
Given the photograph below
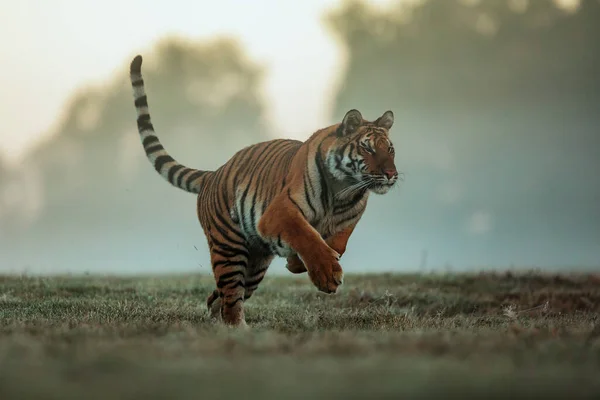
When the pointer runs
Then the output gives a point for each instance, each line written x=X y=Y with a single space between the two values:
x=381 y=336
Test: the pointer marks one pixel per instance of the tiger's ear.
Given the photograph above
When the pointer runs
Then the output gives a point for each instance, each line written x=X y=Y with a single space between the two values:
x=351 y=122
x=386 y=120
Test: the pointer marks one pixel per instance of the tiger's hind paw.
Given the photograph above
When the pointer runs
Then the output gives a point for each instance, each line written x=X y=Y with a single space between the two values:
x=213 y=303
x=295 y=265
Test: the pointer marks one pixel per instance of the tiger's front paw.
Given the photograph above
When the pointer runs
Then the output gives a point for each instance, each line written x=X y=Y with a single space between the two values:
x=325 y=272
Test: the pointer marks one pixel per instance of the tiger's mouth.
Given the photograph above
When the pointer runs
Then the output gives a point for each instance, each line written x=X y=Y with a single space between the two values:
x=379 y=180
x=381 y=187
x=379 y=184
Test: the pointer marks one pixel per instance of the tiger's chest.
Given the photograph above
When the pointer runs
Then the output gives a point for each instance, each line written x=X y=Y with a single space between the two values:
x=341 y=214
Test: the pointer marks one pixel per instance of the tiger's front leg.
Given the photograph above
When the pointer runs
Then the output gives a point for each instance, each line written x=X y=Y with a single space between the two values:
x=337 y=242
x=284 y=222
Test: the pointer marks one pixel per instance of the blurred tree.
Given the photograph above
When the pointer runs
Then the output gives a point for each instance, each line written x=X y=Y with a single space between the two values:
x=457 y=54
x=204 y=103
x=497 y=106
x=3 y=183
x=3 y=171
x=95 y=179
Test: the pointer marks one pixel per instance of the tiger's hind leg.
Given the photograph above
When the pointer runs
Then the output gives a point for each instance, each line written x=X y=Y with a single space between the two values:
x=229 y=268
x=295 y=265
x=257 y=269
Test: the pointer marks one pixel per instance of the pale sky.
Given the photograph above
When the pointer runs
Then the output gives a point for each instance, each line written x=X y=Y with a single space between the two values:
x=48 y=48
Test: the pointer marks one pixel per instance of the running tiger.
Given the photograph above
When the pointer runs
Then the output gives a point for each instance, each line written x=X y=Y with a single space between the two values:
x=286 y=198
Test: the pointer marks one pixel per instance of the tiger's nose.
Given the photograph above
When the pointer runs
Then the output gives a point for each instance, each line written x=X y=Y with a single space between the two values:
x=390 y=173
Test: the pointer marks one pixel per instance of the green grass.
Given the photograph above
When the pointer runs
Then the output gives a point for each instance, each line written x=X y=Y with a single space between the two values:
x=381 y=336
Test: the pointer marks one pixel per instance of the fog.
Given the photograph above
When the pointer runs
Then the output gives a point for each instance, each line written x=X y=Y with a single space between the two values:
x=497 y=110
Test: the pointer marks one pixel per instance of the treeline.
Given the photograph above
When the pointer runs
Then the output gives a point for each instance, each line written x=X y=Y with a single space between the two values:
x=497 y=106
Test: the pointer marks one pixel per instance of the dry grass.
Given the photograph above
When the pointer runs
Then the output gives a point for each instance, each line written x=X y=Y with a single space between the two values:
x=382 y=336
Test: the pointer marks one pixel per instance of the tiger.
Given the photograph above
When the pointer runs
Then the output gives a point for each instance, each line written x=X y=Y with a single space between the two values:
x=299 y=200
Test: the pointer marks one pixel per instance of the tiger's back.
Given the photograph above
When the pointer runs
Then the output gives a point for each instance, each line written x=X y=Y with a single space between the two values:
x=243 y=187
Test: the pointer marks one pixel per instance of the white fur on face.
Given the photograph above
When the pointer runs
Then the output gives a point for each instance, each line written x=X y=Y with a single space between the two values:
x=346 y=165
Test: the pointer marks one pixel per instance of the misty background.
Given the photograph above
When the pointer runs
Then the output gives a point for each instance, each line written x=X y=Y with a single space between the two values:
x=497 y=107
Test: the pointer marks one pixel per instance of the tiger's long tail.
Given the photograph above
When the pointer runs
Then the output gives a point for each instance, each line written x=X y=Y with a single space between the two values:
x=178 y=175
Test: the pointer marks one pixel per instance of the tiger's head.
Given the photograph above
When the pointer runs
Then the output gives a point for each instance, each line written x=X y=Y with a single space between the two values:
x=363 y=154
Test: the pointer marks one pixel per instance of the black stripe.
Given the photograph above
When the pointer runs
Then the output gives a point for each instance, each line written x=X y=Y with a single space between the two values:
x=342 y=208
x=150 y=140
x=229 y=277
x=274 y=157
x=257 y=273
x=155 y=148
x=250 y=290
x=266 y=154
x=261 y=173
x=139 y=82
x=250 y=170
x=352 y=156
x=227 y=247
x=255 y=280
x=306 y=194
x=253 y=210
x=247 y=158
x=294 y=203
x=306 y=173
x=143 y=123
x=339 y=156
x=162 y=160
x=236 y=284
x=261 y=176
x=225 y=233
x=242 y=207
x=190 y=179
x=350 y=218
x=227 y=254
x=228 y=263
x=183 y=173
x=141 y=101
x=288 y=158
x=330 y=134
x=229 y=227
x=223 y=194
x=324 y=188
x=173 y=170
x=340 y=211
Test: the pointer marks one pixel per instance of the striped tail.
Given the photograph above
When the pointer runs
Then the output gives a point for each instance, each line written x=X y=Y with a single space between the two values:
x=176 y=174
